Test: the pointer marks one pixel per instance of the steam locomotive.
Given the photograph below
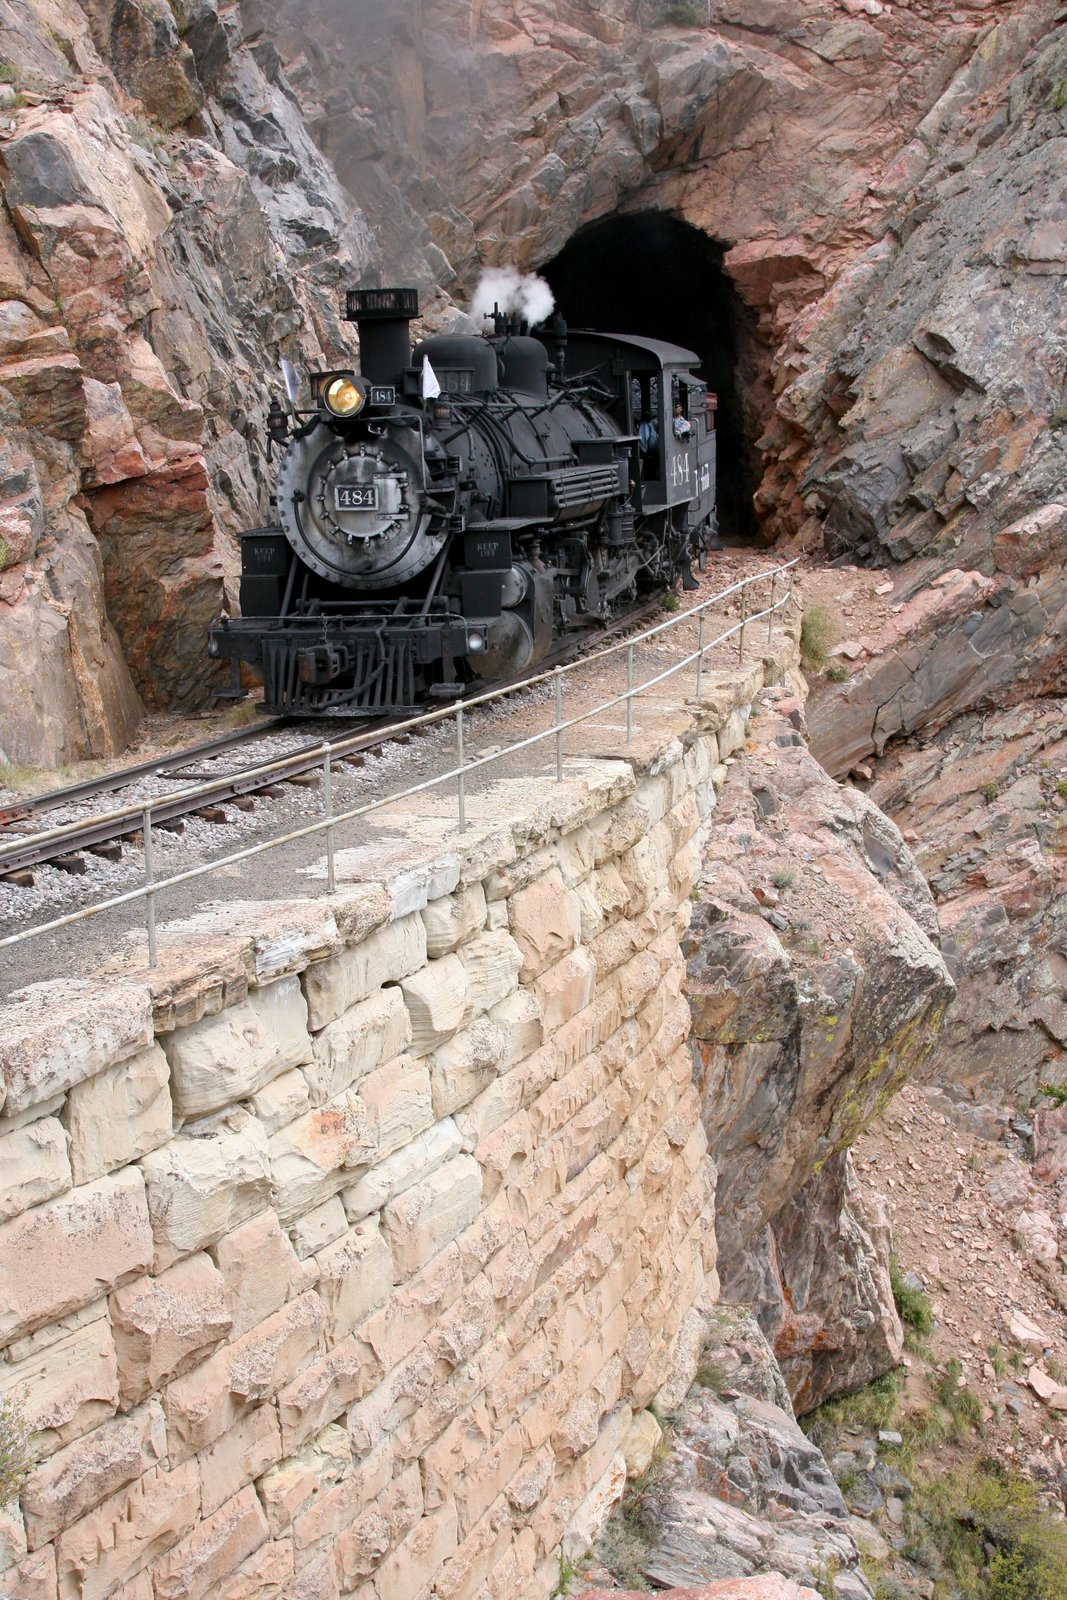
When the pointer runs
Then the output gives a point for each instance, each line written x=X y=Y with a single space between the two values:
x=446 y=514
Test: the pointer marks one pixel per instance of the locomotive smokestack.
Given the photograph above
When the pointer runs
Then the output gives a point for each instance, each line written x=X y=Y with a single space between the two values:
x=382 y=317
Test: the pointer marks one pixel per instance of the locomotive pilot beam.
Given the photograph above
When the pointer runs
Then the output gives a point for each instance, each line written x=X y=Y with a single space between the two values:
x=447 y=512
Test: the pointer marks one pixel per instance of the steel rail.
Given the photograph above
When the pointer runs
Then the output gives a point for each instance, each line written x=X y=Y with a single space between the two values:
x=122 y=777
x=153 y=887
x=45 y=844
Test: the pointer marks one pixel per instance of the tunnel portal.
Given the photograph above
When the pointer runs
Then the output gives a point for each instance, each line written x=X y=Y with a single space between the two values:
x=653 y=274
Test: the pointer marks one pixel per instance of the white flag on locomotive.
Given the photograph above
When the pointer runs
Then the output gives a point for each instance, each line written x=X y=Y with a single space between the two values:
x=430 y=386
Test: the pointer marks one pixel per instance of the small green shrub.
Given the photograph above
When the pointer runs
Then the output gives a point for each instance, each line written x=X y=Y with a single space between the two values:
x=871 y=1408
x=960 y=1401
x=682 y=14
x=567 y=1572
x=784 y=878
x=17 y=1455
x=711 y=1375
x=9 y=73
x=994 y=1535
x=824 y=1578
x=1056 y=1092
x=818 y=635
x=837 y=672
x=141 y=133
x=990 y=790
x=913 y=1307
x=1057 y=100
x=630 y=1532
x=1058 y=417
x=1061 y=788
x=669 y=600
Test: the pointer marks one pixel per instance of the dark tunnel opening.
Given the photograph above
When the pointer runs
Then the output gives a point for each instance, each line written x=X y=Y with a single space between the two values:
x=653 y=274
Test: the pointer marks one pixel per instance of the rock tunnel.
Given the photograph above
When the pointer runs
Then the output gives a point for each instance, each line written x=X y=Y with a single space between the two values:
x=654 y=274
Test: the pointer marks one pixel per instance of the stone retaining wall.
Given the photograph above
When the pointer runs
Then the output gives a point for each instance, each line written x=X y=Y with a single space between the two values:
x=343 y=1252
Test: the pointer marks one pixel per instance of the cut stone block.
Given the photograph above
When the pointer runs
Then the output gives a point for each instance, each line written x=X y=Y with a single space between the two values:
x=273 y=938
x=71 y=1386
x=52 y=1035
x=412 y=1566
x=125 y=1534
x=203 y=1185
x=520 y=1016
x=355 y=1277
x=389 y=954
x=268 y=1574
x=492 y=962
x=68 y=1252
x=225 y=1058
x=201 y=1406
x=12 y=1536
x=251 y=1446
x=258 y=1266
x=281 y=1101
x=566 y=989
x=402 y=1169
x=318 y=1155
x=452 y=919
x=34 y=1164
x=163 y=1325
x=86 y=1472
x=436 y=999
x=365 y=1037
x=398 y=1101
x=422 y=1220
x=325 y=1389
x=319 y=1228
x=643 y=1436
x=289 y=1489
x=196 y=1566
x=546 y=923
x=34 y=1577
x=120 y=1114
x=460 y=1069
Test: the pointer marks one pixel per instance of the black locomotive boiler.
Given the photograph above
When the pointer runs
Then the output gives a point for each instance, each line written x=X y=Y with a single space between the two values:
x=446 y=514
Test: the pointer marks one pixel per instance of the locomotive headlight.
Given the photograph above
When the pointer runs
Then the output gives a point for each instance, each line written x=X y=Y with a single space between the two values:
x=342 y=397
x=475 y=642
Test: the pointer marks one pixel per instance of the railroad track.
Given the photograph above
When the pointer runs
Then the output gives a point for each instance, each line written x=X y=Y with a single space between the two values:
x=103 y=835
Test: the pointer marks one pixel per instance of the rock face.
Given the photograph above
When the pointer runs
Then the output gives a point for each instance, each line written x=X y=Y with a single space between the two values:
x=816 y=992
x=149 y=280
x=983 y=802
x=744 y=1499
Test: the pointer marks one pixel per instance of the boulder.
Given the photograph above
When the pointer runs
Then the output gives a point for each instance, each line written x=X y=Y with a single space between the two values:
x=140 y=42
x=801 y=1031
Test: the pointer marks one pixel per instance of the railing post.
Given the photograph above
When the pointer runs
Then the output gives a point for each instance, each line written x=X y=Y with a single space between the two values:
x=770 y=619
x=149 y=878
x=700 y=655
x=327 y=806
x=462 y=793
x=558 y=685
x=629 y=694
x=741 y=635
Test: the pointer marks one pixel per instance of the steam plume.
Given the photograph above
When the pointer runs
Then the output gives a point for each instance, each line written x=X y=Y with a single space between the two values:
x=513 y=291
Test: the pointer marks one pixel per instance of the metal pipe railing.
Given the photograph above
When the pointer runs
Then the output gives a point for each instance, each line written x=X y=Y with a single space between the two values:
x=331 y=820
